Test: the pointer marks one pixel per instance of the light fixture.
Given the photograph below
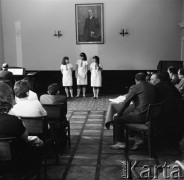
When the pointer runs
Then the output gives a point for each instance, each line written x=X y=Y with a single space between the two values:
x=57 y=33
x=124 y=32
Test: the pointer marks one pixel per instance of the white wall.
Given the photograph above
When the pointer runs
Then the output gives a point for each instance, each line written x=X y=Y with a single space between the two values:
x=152 y=24
x=1 y=39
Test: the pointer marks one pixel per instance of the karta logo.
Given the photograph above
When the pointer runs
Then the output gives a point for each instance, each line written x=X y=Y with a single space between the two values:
x=138 y=171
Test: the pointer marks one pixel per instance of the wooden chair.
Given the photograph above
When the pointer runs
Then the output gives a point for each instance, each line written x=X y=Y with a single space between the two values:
x=10 y=164
x=6 y=148
x=56 y=114
x=153 y=115
x=38 y=126
x=7 y=158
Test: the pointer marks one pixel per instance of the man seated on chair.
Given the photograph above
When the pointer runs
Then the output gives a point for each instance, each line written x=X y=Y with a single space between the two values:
x=6 y=75
x=25 y=107
x=171 y=98
x=141 y=94
x=31 y=95
x=53 y=96
x=12 y=126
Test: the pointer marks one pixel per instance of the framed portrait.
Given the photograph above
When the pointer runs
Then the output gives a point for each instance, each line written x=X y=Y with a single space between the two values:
x=89 y=20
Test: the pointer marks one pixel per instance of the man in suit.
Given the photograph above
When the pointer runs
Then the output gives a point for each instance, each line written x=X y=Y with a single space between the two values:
x=6 y=75
x=91 y=28
x=141 y=94
x=169 y=125
x=165 y=93
x=180 y=85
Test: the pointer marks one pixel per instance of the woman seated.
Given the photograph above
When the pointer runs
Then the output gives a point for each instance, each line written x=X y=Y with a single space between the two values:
x=27 y=153
x=23 y=106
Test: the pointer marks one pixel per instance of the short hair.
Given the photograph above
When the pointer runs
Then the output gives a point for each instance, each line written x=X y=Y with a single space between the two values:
x=5 y=66
x=53 y=88
x=140 y=76
x=21 y=88
x=6 y=97
x=181 y=71
x=82 y=54
x=172 y=69
x=64 y=60
x=97 y=59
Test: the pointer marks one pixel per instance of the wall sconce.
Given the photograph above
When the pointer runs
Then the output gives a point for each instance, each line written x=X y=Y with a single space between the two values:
x=124 y=32
x=57 y=34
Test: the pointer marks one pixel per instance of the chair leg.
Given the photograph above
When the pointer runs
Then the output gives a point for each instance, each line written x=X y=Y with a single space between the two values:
x=57 y=152
x=149 y=144
x=126 y=139
x=45 y=162
x=68 y=137
x=114 y=137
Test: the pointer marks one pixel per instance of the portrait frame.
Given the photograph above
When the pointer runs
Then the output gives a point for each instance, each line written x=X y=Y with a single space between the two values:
x=89 y=30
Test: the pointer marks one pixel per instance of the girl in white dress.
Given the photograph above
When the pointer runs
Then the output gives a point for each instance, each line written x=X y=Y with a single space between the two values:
x=66 y=70
x=81 y=74
x=96 y=76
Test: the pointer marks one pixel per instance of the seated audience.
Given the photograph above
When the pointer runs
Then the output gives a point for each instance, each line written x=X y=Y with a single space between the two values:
x=180 y=85
x=53 y=96
x=32 y=95
x=142 y=94
x=27 y=152
x=171 y=99
x=165 y=93
x=166 y=79
x=6 y=75
x=173 y=75
x=25 y=107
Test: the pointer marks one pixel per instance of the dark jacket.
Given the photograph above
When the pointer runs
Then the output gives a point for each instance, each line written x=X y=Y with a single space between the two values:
x=142 y=94
x=167 y=94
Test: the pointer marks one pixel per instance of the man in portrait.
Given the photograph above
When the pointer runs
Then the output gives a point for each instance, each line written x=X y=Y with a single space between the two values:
x=91 y=28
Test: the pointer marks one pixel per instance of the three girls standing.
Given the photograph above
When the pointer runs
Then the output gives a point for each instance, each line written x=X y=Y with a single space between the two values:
x=81 y=75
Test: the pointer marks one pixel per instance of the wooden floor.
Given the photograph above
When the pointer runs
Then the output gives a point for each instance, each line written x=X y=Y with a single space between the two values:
x=90 y=156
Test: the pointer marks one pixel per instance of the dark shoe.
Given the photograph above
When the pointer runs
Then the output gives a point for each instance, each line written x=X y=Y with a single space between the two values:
x=94 y=97
x=76 y=96
x=98 y=97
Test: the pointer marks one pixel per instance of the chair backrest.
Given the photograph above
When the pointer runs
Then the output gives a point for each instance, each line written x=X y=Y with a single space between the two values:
x=35 y=126
x=154 y=113
x=6 y=148
x=55 y=112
